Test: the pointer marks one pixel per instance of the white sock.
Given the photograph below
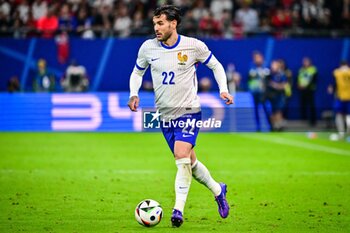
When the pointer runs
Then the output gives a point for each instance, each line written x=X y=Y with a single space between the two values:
x=182 y=182
x=339 y=122
x=202 y=175
x=347 y=120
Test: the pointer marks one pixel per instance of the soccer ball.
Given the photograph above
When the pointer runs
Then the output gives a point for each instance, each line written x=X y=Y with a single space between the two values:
x=148 y=213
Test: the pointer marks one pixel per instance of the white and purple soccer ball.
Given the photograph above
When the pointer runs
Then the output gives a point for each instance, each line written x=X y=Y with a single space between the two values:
x=148 y=213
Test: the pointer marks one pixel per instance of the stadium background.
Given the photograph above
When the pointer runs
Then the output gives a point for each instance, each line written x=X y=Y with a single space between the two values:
x=91 y=182
x=104 y=36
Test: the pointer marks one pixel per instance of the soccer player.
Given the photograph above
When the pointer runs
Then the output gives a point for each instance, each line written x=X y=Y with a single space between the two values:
x=342 y=98
x=172 y=58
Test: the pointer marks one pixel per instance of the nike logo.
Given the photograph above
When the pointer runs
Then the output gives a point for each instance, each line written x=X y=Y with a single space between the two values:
x=186 y=136
x=154 y=59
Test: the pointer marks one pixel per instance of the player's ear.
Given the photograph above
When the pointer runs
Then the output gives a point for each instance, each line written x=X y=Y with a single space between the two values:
x=174 y=24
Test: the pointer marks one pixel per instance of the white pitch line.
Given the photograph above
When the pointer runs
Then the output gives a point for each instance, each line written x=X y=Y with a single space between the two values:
x=62 y=173
x=304 y=145
x=279 y=173
x=88 y=171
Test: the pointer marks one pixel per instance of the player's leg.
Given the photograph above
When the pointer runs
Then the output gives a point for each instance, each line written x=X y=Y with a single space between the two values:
x=185 y=139
x=347 y=116
x=181 y=194
x=339 y=117
x=339 y=122
x=182 y=153
x=347 y=120
x=203 y=176
x=177 y=217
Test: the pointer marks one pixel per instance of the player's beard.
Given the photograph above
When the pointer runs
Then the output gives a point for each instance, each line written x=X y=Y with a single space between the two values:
x=166 y=36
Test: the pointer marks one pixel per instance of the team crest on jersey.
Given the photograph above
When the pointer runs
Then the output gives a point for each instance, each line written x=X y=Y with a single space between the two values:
x=182 y=58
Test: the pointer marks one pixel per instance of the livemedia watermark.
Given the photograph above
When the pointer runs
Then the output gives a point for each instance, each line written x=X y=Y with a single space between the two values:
x=153 y=119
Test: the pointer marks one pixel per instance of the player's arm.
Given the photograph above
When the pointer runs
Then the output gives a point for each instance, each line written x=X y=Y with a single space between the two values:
x=135 y=84
x=207 y=58
x=220 y=77
x=136 y=79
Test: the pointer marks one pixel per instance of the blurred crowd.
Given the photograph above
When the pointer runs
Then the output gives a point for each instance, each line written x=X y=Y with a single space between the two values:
x=74 y=79
x=204 y=18
x=272 y=84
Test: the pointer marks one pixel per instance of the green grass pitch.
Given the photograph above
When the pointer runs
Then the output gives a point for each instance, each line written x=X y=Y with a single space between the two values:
x=91 y=182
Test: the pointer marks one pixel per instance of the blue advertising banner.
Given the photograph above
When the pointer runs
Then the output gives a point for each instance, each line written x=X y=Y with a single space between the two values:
x=108 y=112
x=109 y=62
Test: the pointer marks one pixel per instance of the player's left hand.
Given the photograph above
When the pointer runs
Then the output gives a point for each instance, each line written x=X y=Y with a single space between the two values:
x=227 y=97
x=134 y=103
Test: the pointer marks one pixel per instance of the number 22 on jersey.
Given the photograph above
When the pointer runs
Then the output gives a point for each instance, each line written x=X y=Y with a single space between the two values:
x=168 y=78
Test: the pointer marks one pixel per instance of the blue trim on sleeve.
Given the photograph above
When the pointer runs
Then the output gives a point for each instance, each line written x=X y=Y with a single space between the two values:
x=208 y=59
x=139 y=67
x=173 y=46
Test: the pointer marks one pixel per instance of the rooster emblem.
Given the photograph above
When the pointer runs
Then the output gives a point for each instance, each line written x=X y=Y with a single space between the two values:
x=182 y=58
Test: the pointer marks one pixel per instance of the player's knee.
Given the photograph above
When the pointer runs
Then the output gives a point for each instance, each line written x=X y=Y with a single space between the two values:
x=182 y=154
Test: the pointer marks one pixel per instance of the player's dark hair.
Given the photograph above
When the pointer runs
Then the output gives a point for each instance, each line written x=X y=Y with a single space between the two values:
x=170 y=11
x=257 y=52
x=344 y=63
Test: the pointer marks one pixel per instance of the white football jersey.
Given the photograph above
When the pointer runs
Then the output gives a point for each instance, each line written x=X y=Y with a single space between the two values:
x=173 y=71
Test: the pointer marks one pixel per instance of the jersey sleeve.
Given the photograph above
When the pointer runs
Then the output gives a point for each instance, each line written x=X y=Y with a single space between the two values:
x=138 y=71
x=203 y=54
x=141 y=61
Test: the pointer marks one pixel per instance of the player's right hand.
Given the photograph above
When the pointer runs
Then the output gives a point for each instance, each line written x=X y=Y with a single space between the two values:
x=330 y=89
x=134 y=103
x=227 y=97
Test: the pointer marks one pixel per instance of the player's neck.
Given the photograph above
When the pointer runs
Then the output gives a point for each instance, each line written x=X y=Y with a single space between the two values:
x=171 y=40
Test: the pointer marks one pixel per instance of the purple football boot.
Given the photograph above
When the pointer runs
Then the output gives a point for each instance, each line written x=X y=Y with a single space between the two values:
x=176 y=218
x=224 y=208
